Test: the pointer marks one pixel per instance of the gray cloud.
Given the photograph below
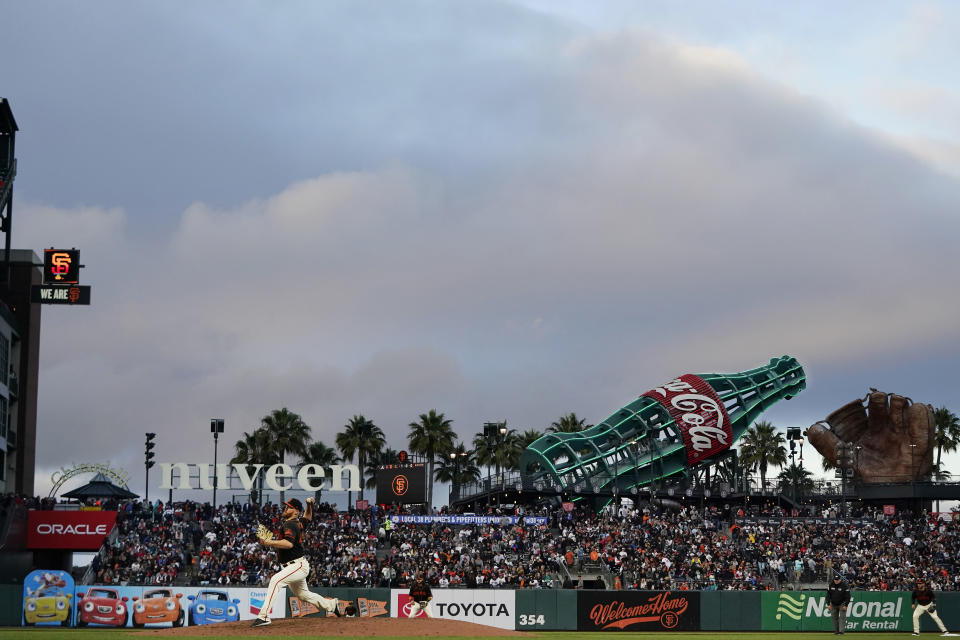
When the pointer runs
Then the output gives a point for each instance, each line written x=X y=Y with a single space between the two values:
x=511 y=221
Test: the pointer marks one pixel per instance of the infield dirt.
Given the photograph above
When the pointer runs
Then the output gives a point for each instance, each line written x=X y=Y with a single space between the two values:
x=356 y=627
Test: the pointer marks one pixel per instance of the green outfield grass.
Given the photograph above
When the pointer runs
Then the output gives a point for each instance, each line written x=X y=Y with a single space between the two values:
x=89 y=634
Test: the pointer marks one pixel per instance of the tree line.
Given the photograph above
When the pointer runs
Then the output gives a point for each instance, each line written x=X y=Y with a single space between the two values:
x=284 y=433
x=451 y=459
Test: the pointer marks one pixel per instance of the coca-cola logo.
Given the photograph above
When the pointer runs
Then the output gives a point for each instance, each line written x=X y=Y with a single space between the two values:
x=698 y=412
x=617 y=614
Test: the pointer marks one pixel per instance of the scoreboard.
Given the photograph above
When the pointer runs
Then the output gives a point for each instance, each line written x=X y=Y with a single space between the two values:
x=404 y=483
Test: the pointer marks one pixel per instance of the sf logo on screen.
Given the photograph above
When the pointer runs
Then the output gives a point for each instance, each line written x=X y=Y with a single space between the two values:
x=400 y=485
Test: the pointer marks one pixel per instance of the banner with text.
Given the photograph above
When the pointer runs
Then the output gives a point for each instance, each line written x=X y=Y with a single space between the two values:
x=501 y=520
x=490 y=607
x=807 y=611
x=638 y=611
x=77 y=530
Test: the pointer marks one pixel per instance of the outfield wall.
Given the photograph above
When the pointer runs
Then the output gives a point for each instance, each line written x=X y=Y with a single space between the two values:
x=551 y=609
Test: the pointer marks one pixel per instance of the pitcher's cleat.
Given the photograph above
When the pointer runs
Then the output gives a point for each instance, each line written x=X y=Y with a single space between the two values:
x=260 y=622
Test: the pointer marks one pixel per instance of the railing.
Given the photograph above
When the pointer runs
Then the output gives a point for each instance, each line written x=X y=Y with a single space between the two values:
x=506 y=482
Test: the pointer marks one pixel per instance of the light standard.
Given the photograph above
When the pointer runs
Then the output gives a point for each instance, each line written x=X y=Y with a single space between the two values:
x=148 y=462
x=491 y=430
x=913 y=477
x=455 y=458
x=216 y=428
x=793 y=434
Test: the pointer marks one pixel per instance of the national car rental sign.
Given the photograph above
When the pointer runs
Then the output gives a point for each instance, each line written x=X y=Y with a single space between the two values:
x=78 y=530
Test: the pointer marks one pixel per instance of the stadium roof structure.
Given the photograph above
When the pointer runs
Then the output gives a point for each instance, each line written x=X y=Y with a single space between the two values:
x=99 y=487
x=7 y=123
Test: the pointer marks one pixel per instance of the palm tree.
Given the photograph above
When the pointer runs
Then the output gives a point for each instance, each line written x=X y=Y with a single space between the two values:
x=568 y=424
x=762 y=445
x=730 y=470
x=501 y=451
x=946 y=438
x=289 y=433
x=431 y=437
x=384 y=456
x=321 y=454
x=947 y=432
x=529 y=437
x=795 y=479
x=255 y=448
x=362 y=438
x=458 y=466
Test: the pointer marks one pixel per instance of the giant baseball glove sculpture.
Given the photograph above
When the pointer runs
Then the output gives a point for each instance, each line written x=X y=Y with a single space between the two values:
x=893 y=437
x=263 y=533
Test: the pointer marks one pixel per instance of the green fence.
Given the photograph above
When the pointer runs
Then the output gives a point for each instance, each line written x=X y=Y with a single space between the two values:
x=546 y=610
x=11 y=605
x=730 y=610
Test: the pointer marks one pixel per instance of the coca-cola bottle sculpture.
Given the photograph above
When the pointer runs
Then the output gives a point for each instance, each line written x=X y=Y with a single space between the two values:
x=659 y=437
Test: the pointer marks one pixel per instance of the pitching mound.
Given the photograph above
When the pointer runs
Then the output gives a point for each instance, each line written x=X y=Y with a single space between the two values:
x=362 y=627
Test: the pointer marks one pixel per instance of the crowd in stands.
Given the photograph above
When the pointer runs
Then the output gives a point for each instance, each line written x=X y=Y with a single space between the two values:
x=647 y=547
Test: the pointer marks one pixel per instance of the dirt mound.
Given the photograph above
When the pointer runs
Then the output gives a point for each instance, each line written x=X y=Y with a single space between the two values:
x=362 y=627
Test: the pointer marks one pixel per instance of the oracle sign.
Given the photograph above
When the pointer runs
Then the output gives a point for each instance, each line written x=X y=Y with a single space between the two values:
x=77 y=530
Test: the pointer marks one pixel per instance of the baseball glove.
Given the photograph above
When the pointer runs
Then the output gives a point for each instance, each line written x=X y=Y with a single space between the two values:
x=263 y=533
x=893 y=437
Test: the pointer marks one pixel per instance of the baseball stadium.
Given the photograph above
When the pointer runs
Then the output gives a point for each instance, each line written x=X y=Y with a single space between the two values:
x=632 y=525
x=324 y=212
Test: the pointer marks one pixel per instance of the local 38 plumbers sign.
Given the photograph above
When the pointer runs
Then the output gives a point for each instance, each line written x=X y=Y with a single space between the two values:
x=277 y=477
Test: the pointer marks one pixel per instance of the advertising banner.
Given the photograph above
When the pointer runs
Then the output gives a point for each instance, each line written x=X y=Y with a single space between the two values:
x=467 y=520
x=369 y=603
x=638 y=611
x=492 y=607
x=164 y=607
x=76 y=530
x=807 y=611
x=209 y=605
x=792 y=521
x=48 y=599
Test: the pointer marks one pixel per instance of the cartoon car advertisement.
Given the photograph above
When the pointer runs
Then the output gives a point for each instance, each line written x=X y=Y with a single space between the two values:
x=47 y=598
x=209 y=607
x=101 y=605
x=158 y=606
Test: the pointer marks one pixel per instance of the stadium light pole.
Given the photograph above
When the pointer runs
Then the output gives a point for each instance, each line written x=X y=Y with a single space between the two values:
x=148 y=462
x=913 y=476
x=216 y=428
x=455 y=458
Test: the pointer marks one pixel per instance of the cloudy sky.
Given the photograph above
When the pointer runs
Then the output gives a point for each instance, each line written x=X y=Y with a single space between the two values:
x=500 y=210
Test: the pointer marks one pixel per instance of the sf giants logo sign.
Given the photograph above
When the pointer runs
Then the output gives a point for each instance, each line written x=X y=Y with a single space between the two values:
x=61 y=266
x=400 y=485
x=699 y=413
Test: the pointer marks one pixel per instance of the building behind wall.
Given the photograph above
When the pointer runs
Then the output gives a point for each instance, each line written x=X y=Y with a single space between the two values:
x=19 y=371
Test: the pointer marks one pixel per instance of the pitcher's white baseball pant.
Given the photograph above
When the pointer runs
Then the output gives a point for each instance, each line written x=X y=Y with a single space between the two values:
x=294 y=574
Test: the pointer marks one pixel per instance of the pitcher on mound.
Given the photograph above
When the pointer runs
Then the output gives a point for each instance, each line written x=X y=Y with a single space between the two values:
x=294 y=567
